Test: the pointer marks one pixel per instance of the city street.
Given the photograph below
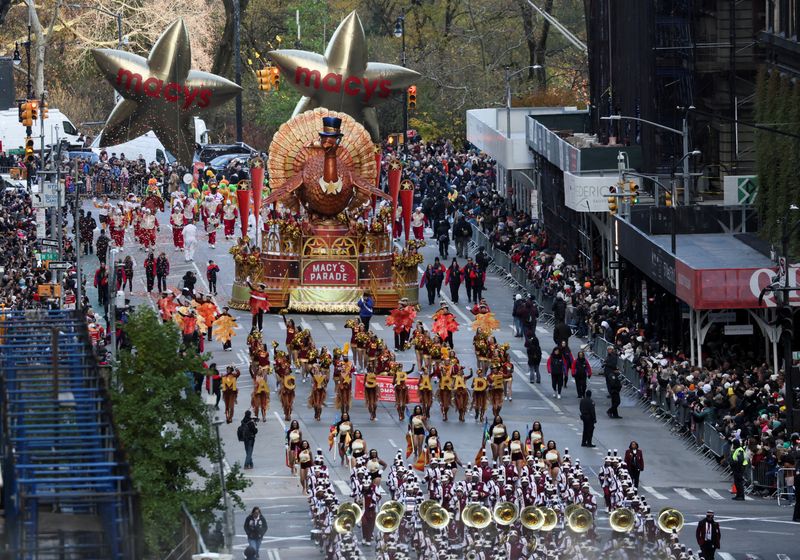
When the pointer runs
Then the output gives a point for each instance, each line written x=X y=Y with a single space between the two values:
x=674 y=475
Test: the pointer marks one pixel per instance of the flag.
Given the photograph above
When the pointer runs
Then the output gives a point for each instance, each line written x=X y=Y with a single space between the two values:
x=331 y=436
x=422 y=460
x=409 y=445
x=480 y=453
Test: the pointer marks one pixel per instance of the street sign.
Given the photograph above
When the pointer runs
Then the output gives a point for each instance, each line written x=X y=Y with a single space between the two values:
x=41 y=223
x=59 y=265
x=47 y=256
x=738 y=330
x=722 y=316
x=49 y=290
x=48 y=243
x=614 y=265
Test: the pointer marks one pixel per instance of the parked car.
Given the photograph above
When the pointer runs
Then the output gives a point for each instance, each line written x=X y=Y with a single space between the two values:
x=207 y=152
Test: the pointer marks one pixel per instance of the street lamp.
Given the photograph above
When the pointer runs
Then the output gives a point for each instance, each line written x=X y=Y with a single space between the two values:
x=216 y=422
x=684 y=133
x=17 y=58
x=400 y=33
x=510 y=75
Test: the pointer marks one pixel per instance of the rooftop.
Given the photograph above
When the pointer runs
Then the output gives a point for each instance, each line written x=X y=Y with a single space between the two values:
x=708 y=251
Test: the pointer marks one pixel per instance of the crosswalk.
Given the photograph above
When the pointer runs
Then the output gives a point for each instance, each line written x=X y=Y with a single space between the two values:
x=663 y=493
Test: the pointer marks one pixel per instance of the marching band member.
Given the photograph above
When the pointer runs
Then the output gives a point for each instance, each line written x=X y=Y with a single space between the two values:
x=259 y=400
x=344 y=386
x=293 y=439
x=229 y=215
x=417 y=425
x=319 y=387
x=480 y=387
x=343 y=432
x=229 y=391
x=176 y=222
x=371 y=393
x=287 y=392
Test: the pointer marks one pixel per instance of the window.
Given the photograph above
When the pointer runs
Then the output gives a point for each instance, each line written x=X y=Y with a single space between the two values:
x=68 y=128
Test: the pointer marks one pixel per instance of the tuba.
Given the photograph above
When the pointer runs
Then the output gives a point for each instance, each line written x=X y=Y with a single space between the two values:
x=550 y=519
x=505 y=513
x=344 y=522
x=394 y=506
x=622 y=520
x=425 y=506
x=579 y=519
x=388 y=521
x=532 y=518
x=670 y=520
x=351 y=507
x=436 y=517
x=476 y=516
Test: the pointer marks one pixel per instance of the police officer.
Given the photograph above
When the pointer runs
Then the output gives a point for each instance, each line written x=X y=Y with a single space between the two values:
x=738 y=465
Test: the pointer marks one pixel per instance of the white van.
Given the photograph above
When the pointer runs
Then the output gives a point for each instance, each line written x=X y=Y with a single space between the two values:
x=57 y=127
x=149 y=146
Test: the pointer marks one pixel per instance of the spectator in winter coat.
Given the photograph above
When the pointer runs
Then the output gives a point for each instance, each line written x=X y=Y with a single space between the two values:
x=453 y=278
x=557 y=369
x=162 y=271
x=534 y=352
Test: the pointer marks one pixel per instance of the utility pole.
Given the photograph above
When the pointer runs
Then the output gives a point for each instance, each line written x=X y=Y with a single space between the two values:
x=687 y=180
x=786 y=315
x=76 y=223
x=229 y=532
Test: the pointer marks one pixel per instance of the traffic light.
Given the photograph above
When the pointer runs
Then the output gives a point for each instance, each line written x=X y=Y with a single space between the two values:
x=262 y=77
x=20 y=108
x=34 y=109
x=27 y=114
x=412 y=98
x=612 y=200
x=785 y=320
x=44 y=109
x=275 y=77
x=634 y=188
x=29 y=153
x=667 y=199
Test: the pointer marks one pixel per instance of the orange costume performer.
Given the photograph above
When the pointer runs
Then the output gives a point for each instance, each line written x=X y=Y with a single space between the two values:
x=479 y=387
x=230 y=391
x=401 y=319
x=344 y=386
x=461 y=399
x=287 y=387
x=259 y=400
x=167 y=306
x=496 y=388
x=371 y=393
x=445 y=324
x=400 y=389
x=316 y=399
x=445 y=392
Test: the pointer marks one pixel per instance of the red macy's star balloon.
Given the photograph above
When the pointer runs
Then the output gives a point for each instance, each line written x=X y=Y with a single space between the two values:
x=342 y=79
x=160 y=93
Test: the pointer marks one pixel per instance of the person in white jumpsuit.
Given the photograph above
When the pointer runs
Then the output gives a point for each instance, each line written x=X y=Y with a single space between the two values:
x=189 y=240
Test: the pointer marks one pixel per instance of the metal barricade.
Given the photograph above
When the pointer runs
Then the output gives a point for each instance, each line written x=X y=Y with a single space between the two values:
x=713 y=440
x=785 y=485
x=764 y=478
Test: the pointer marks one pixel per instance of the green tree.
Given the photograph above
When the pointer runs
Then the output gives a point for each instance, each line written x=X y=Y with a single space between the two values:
x=166 y=432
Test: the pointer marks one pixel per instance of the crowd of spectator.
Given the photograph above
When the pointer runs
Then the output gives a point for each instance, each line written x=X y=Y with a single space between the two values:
x=741 y=398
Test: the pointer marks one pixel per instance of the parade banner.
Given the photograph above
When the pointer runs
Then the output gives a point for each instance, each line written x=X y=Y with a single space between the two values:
x=243 y=198
x=257 y=184
x=407 y=201
x=330 y=273
x=395 y=172
x=386 y=389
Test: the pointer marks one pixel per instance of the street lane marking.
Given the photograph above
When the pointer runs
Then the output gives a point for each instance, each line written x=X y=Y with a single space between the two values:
x=377 y=326
x=713 y=493
x=283 y=424
x=393 y=444
x=342 y=487
x=520 y=354
x=281 y=325
x=536 y=390
x=684 y=493
x=652 y=491
x=330 y=326
x=726 y=555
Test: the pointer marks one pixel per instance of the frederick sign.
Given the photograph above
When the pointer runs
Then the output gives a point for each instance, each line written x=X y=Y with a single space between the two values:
x=330 y=273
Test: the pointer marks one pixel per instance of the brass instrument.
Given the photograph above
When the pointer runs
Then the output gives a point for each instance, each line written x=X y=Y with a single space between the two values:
x=532 y=518
x=622 y=520
x=476 y=516
x=472 y=555
x=344 y=522
x=670 y=520
x=437 y=517
x=353 y=507
x=580 y=519
x=425 y=506
x=550 y=519
x=569 y=509
x=394 y=506
x=505 y=513
x=388 y=521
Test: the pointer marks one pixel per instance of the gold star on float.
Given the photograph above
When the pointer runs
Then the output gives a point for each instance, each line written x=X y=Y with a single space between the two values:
x=342 y=79
x=395 y=165
x=160 y=93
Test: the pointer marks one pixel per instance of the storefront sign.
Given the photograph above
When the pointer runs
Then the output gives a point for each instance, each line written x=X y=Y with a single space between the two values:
x=645 y=255
x=386 y=389
x=329 y=273
x=740 y=189
x=585 y=193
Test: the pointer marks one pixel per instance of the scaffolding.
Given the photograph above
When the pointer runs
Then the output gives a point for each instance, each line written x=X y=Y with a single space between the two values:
x=67 y=494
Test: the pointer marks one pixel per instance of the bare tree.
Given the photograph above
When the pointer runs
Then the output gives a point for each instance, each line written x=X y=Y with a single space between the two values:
x=537 y=44
x=40 y=43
